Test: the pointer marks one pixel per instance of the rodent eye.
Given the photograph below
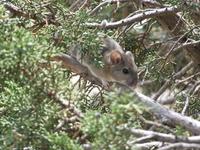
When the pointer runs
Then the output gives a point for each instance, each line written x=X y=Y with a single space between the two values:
x=125 y=70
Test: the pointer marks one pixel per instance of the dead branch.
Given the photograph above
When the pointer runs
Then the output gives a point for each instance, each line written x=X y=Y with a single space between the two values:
x=191 y=92
x=169 y=81
x=174 y=117
x=180 y=146
x=162 y=137
x=188 y=78
x=135 y=18
x=186 y=105
x=140 y=140
x=148 y=145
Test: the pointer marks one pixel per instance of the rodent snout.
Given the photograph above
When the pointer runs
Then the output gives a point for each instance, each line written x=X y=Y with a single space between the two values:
x=133 y=82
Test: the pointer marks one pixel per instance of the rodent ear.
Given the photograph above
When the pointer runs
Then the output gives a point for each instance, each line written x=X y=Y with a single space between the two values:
x=115 y=57
x=110 y=44
x=130 y=56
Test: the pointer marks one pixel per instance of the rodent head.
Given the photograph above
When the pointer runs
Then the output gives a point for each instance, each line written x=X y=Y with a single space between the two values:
x=121 y=65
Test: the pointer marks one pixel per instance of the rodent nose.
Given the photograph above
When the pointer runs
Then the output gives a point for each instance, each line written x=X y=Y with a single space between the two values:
x=133 y=82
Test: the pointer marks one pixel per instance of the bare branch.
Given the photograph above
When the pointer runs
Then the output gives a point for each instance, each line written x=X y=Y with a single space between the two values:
x=140 y=140
x=186 y=105
x=162 y=136
x=191 y=92
x=193 y=89
x=174 y=117
x=156 y=124
x=148 y=145
x=183 y=70
x=176 y=76
x=136 y=18
x=180 y=146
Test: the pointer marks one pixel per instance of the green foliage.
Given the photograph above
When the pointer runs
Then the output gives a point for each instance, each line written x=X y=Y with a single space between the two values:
x=24 y=116
x=171 y=2
x=62 y=141
x=104 y=129
x=32 y=117
x=28 y=114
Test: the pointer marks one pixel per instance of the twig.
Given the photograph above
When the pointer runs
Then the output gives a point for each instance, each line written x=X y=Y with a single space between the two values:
x=180 y=146
x=104 y=3
x=191 y=92
x=183 y=70
x=176 y=76
x=184 y=45
x=177 y=23
x=186 y=105
x=140 y=140
x=188 y=78
x=76 y=5
x=83 y=5
x=193 y=89
x=147 y=146
x=162 y=137
x=156 y=124
x=136 y=18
